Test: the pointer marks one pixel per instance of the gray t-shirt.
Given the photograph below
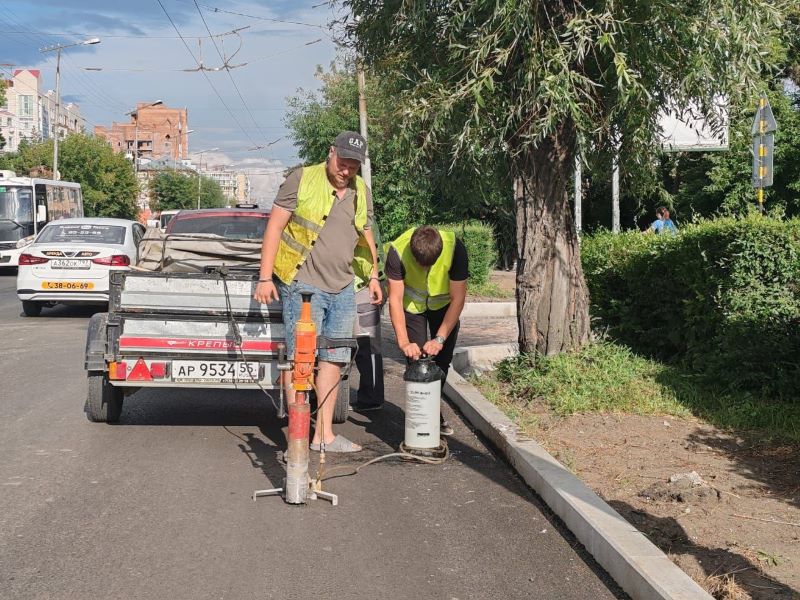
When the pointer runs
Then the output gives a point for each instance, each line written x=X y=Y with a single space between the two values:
x=329 y=266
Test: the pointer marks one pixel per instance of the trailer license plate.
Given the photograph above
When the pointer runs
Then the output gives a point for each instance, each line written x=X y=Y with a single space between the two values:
x=207 y=371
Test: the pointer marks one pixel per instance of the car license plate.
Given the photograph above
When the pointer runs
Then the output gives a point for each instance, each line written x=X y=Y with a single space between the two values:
x=213 y=371
x=60 y=263
x=67 y=285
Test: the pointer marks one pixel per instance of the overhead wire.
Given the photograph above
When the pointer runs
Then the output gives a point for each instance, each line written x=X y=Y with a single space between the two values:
x=210 y=83
x=37 y=39
x=260 y=18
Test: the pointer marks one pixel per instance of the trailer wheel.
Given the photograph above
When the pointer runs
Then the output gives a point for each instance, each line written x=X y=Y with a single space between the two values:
x=103 y=400
x=31 y=309
x=342 y=402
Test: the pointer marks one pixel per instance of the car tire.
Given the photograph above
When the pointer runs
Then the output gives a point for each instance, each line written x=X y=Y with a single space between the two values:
x=103 y=400
x=342 y=402
x=31 y=309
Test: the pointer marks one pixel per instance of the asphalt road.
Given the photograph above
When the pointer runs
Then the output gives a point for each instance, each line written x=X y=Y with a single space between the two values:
x=160 y=505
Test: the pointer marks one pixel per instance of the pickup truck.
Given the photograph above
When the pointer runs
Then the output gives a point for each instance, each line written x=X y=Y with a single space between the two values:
x=200 y=329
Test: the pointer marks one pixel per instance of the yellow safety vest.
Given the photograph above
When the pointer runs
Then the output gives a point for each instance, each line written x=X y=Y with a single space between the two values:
x=314 y=203
x=426 y=288
x=362 y=261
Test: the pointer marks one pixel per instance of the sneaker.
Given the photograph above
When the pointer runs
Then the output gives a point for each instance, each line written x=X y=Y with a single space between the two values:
x=358 y=407
x=445 y=429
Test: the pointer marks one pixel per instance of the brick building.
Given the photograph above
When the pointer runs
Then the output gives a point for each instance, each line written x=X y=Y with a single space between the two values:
x=155 y=132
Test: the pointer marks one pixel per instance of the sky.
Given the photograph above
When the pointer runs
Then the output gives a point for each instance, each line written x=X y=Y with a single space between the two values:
x=142 y=59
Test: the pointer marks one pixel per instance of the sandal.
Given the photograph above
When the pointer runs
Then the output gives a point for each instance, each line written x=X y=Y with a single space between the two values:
x=339 y=444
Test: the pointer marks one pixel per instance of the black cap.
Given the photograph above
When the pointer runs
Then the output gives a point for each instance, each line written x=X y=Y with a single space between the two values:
x=350 y=144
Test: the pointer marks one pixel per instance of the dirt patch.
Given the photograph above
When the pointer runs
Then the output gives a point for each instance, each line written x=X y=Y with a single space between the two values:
x=505 y=281
x=730 y=516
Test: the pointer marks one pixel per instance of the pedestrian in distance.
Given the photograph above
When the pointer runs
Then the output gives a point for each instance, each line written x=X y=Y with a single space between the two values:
x=427 y=271
x=662 y=224
x=320 y=214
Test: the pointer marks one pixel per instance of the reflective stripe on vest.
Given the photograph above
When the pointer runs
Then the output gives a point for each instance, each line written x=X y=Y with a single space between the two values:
x=315 y=198
x=425 y=289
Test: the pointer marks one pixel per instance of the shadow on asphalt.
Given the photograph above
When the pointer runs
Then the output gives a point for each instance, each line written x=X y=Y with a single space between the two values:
x=64 y=311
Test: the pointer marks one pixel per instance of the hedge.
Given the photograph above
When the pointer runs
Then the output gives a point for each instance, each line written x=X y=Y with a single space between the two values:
x=479 y=240
x=723 y=296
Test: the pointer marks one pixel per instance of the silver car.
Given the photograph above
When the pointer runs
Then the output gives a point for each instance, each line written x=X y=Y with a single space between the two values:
x=70 y=260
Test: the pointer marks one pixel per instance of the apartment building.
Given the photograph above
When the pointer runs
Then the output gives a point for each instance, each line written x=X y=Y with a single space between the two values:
x=154 y=132
x=29 y=114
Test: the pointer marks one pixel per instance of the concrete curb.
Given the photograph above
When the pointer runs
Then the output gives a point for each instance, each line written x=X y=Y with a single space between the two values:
x=469 y=359
x=635 y=563
x=489 y=309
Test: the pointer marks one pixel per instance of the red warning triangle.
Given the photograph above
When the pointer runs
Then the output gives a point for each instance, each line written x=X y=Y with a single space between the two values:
x=140 y=372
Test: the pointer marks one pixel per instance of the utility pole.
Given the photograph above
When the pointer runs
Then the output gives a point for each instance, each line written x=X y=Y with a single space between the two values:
x=366 y=168
x=615 y=228
x=54 y=127
x=199 y=174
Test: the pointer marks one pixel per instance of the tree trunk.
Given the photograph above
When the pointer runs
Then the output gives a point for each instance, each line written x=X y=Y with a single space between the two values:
x=552 y=298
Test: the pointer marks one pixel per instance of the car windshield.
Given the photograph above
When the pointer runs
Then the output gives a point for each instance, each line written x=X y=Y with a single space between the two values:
x=78 y=233
x=247 y=226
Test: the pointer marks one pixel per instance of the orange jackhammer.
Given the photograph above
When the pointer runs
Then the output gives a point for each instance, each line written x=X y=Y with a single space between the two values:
x=297 y=484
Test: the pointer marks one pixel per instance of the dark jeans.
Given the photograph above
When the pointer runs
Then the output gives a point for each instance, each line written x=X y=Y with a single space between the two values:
x=423 y=327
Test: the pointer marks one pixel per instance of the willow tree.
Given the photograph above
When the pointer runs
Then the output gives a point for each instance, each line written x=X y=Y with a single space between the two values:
x=531 y=80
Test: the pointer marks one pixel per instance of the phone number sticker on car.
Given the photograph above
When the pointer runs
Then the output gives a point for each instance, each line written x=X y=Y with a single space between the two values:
x=67 y=285
x=206 y=371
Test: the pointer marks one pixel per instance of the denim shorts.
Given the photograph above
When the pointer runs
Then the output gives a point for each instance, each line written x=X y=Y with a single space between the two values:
x=333 y=315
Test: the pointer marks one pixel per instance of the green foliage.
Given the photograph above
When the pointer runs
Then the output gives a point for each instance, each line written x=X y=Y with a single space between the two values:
x=722 y=297
x=478 y=239
x=404 y=192
x=107 y=179
x=486 y=78
x=607 y=377
x=2 y=92
x=173 y=190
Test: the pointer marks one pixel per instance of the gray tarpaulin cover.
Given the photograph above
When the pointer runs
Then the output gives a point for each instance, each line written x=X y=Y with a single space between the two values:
x=193 y=252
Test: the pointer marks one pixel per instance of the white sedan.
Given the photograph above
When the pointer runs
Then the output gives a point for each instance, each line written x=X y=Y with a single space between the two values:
x=70 y=260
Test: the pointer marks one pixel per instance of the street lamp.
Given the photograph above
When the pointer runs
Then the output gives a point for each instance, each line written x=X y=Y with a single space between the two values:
x=199 y=174
x=58 y=48
x=135 y=114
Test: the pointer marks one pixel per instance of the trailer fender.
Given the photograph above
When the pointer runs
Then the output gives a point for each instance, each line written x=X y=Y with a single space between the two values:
x=96 y=342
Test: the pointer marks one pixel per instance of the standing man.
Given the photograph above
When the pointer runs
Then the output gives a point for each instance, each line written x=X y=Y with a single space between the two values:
x=318 y=217
x=427 y=270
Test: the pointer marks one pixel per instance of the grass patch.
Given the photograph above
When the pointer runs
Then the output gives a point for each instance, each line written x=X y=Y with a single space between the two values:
x=488 y=289
x=608 y=377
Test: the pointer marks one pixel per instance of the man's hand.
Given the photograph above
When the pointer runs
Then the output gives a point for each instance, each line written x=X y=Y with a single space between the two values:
x=432 y=348
x=375 y=291
x=266 y=292
x=412 y=351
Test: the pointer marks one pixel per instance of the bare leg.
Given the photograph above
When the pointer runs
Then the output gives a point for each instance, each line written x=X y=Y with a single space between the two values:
x=327 y=380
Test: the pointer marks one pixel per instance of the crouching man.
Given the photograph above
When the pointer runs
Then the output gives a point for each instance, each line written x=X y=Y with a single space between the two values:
x=427 y=271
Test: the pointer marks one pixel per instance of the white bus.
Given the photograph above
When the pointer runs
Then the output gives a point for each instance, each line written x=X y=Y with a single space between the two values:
x=26 y=205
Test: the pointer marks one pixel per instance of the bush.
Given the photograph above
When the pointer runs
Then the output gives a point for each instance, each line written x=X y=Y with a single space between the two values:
x=723 y=297
x=479 y=240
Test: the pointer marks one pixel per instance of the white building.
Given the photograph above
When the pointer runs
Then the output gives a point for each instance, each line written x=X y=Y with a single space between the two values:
x=29 y=114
